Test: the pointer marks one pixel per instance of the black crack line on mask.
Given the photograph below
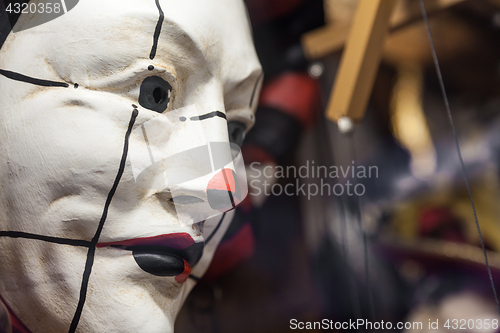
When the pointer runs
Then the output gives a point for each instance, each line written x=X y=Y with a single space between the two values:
x=457 y=146
x=147 y=142
x=215 y=230
x=209 y=115
x=23 y=78
x=157 y=31
x=49 y=239
x=255 y=88
x=91 y=253
x=194 y=278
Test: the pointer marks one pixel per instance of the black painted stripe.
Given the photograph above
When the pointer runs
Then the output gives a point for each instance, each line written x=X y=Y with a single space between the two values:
x=91 y=253
x=215 y=230
x=209 y=115
x=56 y=240
x=157 y=31
x=23 y=78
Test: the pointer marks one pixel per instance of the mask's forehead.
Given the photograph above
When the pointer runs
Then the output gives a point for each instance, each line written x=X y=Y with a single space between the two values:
x=100 y=38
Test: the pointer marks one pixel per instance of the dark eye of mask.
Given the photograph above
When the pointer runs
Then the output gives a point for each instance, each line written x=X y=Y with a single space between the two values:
x=154 y=94
x=236 y=132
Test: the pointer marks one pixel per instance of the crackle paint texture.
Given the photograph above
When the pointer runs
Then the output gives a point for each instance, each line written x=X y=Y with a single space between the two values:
x=118 y=174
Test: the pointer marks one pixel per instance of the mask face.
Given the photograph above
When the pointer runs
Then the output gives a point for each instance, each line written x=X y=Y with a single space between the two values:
x=115 y=159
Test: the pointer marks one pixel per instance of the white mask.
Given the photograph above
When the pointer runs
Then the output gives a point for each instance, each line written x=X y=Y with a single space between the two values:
x=127 y=116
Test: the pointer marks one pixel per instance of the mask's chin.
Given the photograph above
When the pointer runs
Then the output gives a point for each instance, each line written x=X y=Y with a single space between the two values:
x=127 y=298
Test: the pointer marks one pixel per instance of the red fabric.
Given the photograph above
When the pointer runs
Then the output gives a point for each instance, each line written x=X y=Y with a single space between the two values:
x=263 y=11
x=232 y=252
x=252 y=153
x=431 y=218
x=296 y=94
x=17 y=326
x=246 y=205
x=441 y=223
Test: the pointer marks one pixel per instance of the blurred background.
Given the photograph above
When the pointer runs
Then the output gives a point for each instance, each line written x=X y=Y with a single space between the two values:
x=306 y=257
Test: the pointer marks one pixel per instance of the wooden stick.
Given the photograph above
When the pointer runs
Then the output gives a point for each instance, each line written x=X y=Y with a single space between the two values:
x=360 y=60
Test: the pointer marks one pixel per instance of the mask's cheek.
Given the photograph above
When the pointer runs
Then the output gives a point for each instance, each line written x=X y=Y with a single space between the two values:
x=40 y=282
x=63 y=156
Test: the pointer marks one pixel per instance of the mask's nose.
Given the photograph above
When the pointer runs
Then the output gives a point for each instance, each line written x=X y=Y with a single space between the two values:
x=186 y=158
x=197 y=200
x=223 y=191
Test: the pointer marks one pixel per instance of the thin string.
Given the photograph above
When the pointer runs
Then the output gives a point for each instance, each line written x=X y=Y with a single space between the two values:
x=359 y=215
x=457 y=145
x=216 y=229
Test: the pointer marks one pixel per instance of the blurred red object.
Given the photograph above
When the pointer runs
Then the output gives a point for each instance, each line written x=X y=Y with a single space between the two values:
x=238 y=248
x=293 y=93
x=441 y=223
x=263 y=11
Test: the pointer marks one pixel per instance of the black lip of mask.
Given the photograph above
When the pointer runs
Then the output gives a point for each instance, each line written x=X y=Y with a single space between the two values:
x=166 y=261
x=155 y=94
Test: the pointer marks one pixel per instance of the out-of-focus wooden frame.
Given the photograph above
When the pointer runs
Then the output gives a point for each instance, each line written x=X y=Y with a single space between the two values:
x=363 y=40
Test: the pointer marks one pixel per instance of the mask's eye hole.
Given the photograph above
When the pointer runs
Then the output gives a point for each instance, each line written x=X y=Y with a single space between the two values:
x=236 y=132
x=155 y=94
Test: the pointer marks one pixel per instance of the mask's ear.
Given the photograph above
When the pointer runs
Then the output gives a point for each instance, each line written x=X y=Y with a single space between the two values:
x=5 y=325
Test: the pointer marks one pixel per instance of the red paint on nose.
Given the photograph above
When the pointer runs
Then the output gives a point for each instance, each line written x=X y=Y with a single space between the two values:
x=223 y=191
x=223 y=181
